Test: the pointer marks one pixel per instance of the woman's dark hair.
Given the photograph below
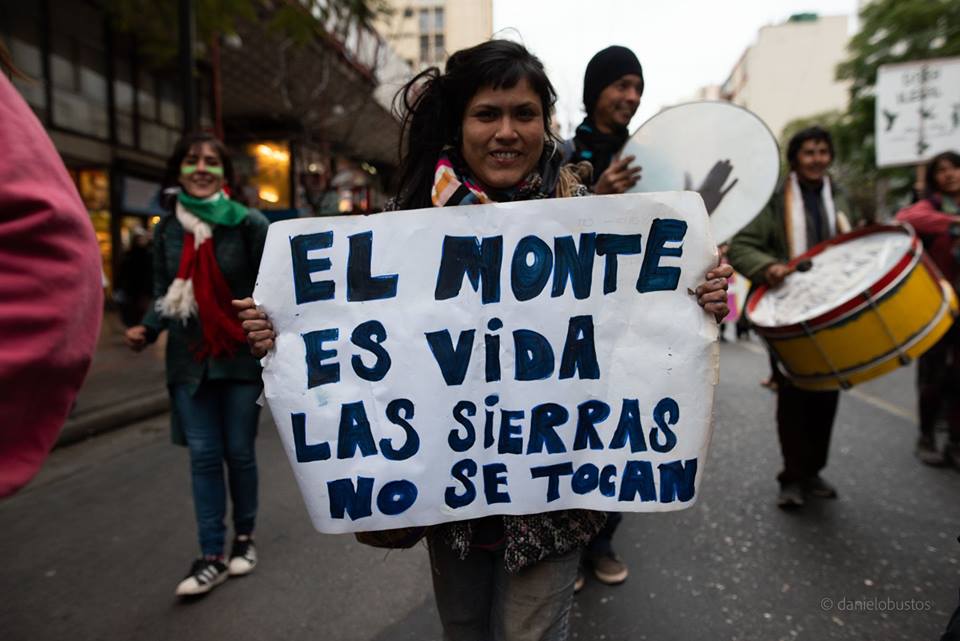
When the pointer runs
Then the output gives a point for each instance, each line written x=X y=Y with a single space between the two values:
x=432 y=104
x=951 y=157
x=810 y=133
x=172 y=176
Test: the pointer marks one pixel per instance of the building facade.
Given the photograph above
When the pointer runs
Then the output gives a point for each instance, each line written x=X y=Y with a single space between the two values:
x=790 y=72
x=425 y=32
x=306 y=130
x=113 y=118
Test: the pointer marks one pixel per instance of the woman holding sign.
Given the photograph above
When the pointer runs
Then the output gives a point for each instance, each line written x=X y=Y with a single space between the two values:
x=480 y=133
x=206 y=252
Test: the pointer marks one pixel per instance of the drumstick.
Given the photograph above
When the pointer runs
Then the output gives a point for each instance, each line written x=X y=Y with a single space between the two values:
x=804 y=265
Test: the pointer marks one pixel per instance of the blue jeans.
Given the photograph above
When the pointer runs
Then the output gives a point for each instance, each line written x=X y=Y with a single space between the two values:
x=220 y=424
x=479 y=600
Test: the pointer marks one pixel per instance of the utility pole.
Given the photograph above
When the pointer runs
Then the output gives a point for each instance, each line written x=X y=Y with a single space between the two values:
x=188 y=90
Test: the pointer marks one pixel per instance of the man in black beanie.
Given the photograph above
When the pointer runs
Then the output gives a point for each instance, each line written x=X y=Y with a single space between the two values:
x=612 y=86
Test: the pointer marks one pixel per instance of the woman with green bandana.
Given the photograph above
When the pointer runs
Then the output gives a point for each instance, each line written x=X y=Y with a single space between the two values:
x=206 y=252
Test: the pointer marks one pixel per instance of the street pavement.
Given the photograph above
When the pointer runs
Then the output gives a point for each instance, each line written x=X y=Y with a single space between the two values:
x=120 y=386
x=95 y=545
x=117 y=374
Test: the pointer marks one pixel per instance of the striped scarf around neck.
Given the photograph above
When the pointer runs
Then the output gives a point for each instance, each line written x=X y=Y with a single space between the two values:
x=453 y=185
x=795 y=217
x=199 y=289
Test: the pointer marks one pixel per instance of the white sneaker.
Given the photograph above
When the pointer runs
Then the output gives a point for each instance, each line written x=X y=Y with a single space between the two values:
x=204 y=575
x=243 y=557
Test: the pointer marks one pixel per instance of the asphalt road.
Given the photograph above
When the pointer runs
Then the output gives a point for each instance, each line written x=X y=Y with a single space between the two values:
x=94 y=547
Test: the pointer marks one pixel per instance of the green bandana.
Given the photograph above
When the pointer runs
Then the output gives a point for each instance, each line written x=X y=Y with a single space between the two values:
x=216 y=210
x=186 y=170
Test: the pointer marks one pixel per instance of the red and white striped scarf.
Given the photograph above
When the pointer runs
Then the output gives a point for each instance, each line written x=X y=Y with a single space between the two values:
x=200 y=290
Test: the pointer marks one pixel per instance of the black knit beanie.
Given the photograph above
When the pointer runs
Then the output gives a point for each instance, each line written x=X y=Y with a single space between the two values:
x=606 y=68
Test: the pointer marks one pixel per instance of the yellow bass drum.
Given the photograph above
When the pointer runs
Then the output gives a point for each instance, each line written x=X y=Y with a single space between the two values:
x=871 y=302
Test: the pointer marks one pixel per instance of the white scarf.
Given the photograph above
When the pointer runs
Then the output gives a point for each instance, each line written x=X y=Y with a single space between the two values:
x=796 y=218
x=179 y=302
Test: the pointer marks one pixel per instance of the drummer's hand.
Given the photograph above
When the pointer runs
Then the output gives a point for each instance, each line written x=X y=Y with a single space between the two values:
x=257 y=326
x=775 y=273
x=618 y=177
x=712 y=294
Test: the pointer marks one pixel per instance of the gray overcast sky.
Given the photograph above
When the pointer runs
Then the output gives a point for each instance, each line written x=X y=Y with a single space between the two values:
x=682 y=44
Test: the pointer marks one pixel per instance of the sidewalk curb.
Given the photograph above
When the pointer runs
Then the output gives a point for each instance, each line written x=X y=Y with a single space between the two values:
x=113 y=417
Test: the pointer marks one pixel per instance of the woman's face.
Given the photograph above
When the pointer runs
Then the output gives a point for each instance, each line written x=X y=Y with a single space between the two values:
x=946 y=176
x=201 y=171
x=503 y=134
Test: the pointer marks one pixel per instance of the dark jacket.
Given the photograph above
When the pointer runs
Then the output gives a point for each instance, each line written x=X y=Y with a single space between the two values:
x=238 y=250
x=589 y=145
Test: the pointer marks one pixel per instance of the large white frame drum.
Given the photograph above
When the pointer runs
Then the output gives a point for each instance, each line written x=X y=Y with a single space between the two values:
x=681 y=146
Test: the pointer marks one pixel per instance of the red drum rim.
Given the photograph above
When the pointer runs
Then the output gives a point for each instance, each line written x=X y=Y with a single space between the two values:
x=911 y=256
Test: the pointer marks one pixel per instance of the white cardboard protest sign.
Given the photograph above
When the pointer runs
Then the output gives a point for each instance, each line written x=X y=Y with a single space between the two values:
x=452 y=363
x=918 y=111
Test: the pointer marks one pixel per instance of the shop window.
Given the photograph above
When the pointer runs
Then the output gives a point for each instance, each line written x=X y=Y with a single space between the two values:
x=123 y=98
x=160 y=115
x=20 y=29
x=155 y=138
x=140 y=196
x=169 y=104
x=78 y=67
x=206 y=108
x=28 y=59
x=268 y=185
x=424 y=48
x=146 y=96
x=63 y=70
x=94 y=188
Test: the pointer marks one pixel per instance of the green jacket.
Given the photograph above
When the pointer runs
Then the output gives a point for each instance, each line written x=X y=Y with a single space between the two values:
x=764 y=241
x=238 y=250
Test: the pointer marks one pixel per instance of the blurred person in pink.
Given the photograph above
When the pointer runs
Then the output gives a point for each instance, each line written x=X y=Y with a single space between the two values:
x=51 y=300
x=936 y=219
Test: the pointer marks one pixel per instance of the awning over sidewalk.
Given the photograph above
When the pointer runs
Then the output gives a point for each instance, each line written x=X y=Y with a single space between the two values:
x=270 y=82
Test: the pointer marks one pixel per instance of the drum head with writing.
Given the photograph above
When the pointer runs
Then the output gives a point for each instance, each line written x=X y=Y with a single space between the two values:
x=723 y=151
